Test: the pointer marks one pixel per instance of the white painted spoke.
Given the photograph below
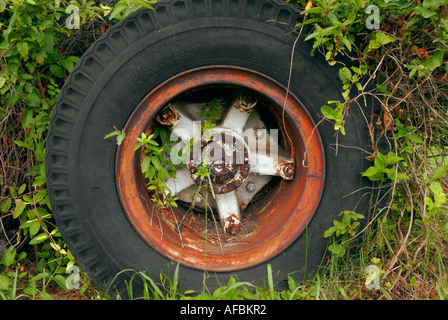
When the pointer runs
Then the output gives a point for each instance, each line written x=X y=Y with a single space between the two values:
x=229 y=211
x=239 y=111
x=179 y=122
x=265 y=164
x=264 y=141
x=183 y=181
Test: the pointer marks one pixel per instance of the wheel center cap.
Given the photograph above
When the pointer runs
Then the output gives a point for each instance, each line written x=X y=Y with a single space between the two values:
x=225 y=158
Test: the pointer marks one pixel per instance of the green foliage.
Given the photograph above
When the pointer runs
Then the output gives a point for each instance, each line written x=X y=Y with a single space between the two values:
x=124 y=8
x=335 y=114
x=117 y=133
x=340 y=29
x=211 y=113
x=381 y=169
x=434 y=204
x=345 y=230
x=167 y=288
x=157 y=166
x=33 y=68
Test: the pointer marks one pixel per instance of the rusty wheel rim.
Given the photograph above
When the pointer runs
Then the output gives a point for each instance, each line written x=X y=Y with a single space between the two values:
x=278 y=219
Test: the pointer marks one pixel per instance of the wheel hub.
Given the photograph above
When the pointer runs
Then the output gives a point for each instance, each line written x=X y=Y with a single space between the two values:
x=278 y=203
x=225 y=157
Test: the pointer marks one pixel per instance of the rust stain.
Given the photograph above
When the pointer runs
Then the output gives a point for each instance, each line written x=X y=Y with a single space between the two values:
x=168 y=116
x=232 y=224
x=285 y=169
x=246 y=102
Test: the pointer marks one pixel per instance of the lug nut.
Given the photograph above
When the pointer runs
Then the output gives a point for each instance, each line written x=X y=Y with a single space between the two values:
x=250 y=187
x=199 y=199
x=260 y=133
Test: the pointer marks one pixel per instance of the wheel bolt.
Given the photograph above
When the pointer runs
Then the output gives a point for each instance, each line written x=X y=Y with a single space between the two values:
x=250 y=187
x=260 y=133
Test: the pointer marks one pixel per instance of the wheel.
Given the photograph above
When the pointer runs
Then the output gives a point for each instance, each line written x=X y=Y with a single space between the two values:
x=274 y=182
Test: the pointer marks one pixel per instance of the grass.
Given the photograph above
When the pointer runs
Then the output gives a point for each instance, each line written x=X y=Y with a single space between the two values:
x=340 y=278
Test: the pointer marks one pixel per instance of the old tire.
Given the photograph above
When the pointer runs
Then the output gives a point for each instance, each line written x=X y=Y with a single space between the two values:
x=134 y=58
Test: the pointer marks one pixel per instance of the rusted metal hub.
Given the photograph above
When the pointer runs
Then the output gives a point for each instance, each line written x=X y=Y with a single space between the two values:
x=226 y=157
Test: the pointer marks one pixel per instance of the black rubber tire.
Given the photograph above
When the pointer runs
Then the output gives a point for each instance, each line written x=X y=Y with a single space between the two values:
x=138 y=54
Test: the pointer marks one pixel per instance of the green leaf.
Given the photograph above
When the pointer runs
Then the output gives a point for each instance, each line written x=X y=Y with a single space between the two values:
x=415 y=138
x=57 y=71
x=214 y=113
x=21 y=256
x=370 y=172
x=392 y=158
x=156 y=162
x=378 y=40
x=120 y=137
x=383 y=39
x=45 y=296
x=20 y=206
x=22 y=188
x=436 y=188
x=440 y=172
x=425 y=12
x=347 y=73
x=428 y=201
x=145 y=164
x=117 y=10
x=28 y=115
x=38 y=197
x=318 y=10
x=61 y=281
x=9 y=256
x=329 y=232
x=5 y=205
x=69 y=62
x=347 y=43
x=402 y=176
x=2 y=5
x=2 y=81
x=337 y=250
x=39 y=238
x=23 y=49
x=5 y=282
x=342 y=76
x=41 y=56
x=379 y=162
x=34 y=228
x=328 y=112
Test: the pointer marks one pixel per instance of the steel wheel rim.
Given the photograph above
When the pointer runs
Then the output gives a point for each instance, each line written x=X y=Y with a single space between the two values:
x=280 y=222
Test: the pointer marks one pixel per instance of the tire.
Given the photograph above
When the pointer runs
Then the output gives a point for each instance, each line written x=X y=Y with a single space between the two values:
x=133 y=59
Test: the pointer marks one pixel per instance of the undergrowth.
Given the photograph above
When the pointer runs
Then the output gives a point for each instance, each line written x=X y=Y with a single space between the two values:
x=398 y=53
